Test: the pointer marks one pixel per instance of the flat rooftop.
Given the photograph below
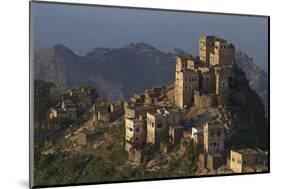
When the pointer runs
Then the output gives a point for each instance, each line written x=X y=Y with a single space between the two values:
x=246 y=151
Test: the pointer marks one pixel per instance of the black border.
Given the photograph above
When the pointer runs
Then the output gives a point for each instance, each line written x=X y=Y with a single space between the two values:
x=31 y=154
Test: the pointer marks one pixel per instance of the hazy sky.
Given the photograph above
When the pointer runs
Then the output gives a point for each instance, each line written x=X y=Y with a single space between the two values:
x=83 y=28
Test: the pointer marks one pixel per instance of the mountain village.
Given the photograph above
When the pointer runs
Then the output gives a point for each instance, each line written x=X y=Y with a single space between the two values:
x=166 y=120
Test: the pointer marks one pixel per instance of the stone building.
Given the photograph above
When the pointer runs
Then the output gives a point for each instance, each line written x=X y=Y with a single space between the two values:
x=248 y=160
x=133 y=110
x=186 y=82
x=206 y=46
x=222 y=53
x=84 y=137
x=207 y=80
x=175 y=133
x=203 y=101
x=64 y=110
x=156 y=125
x=224 y=78
x=135 y=129
x=101 y=112
x=210 y=73
x=214 y=136
x=154 y=95
x=214 y=161
x=210 y=161
x=80 y=93
x=115 y=107
x=158 y=122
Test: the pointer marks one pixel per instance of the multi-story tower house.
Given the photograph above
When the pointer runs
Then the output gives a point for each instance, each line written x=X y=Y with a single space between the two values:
x=224 y=78
x=206 y=45
x=186 y=81
x=209 y=74
x=135 y=133
x=222 y=53
x=214 y=136
x=207 y=81
x=158 y=122
x=248 y=160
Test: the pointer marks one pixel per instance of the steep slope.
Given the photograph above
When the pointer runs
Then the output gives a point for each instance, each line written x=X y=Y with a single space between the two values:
x=258 y=78
x=56 y=64
x=249 y=124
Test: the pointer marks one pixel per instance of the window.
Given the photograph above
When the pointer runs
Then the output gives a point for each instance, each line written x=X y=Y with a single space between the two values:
x=130 y=129
x=137 y=129
x=159 y=125
x=137 y=138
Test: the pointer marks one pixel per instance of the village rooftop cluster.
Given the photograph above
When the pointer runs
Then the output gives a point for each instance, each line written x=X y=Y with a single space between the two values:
x=153 y=119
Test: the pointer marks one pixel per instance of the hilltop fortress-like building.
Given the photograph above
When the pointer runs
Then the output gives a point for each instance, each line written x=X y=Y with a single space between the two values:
x=205 y=76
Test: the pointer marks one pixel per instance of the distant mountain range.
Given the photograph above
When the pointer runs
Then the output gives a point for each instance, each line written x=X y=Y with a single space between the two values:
x=119 y=72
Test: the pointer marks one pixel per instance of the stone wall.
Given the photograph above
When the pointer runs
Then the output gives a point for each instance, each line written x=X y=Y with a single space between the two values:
x=215 y=161
x=135 y=156
x=203 y=101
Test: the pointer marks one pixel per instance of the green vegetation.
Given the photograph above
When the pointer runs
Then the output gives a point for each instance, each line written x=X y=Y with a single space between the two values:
x=43 y=100
x=250 y=126
x=105 y=163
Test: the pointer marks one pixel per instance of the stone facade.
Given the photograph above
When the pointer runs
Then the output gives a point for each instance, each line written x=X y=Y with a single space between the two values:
x=133 y=110
x=102 y=112
x=210 y=161
x=135 y=132
x=206 y=46
x=65 y=110
x=224 y=78
x=175 y=133
x=214 y=136
x=135 y=156
x=203 y=101
x=247 y=160
x=156 y=124
x=159 y=122
x=223 y=53
x=185 y=83
x=209 y=74
x=83 y=137
x=214 y=161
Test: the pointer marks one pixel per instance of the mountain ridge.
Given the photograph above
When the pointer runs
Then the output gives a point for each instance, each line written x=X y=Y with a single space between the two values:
x=121 y=69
